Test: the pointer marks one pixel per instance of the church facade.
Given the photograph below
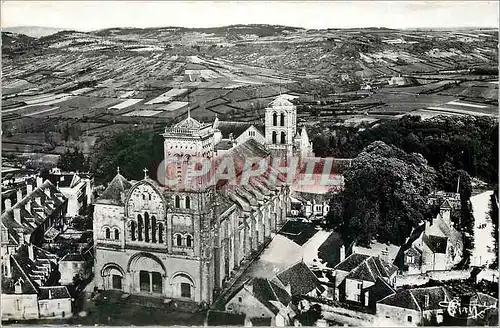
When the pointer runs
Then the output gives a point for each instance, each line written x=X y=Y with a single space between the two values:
x=183 y=241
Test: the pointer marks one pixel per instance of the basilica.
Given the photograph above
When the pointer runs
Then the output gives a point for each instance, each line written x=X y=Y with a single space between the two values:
x=184 y=242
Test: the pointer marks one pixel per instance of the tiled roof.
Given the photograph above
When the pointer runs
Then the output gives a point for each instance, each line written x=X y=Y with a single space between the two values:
x=221 y=318
x=61 y=180
x=380 y=289
x=436 y=244
x=300 y=278
x=8 y=284
x=53 y=292
x=37 y=213
x=224 y=144
x=420 y=299
x=370 y=269
x=351 y=262
x=113 y=193
x=402 y=299
x=73 y=257
x=261 y=322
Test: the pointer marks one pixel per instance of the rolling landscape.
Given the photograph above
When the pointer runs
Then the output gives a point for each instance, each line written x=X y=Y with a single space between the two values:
x=71 y=89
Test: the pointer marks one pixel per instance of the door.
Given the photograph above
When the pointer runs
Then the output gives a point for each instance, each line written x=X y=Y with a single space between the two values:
x=116 y=281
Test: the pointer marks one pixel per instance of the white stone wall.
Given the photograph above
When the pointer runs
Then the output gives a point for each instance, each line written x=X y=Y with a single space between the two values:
x=55 y=308
x=19 y=306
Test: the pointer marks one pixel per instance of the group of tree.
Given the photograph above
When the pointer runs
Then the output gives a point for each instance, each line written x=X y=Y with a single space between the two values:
x=73 y=160
x=467 y=143
x=385 y=196
x=130 y=151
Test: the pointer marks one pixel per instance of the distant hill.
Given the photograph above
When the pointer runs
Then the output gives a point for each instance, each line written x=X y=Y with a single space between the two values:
x=32 y=31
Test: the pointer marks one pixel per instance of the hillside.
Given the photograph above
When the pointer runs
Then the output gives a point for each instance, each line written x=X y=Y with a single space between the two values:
x=76 y=87
x=32 y=31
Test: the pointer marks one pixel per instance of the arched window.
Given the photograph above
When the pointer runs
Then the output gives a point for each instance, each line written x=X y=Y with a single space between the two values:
x=189 y=241
x=275 y=137
x=160 y=233
x=153 y=229
x=275 y=119
x=282 y=119
x=139 y=227
x=108 y=233
x=143 y=197
x=188 y=202
x=117 y=234
x=283 y=137
x=146 y=227
x=132 y=229
x=178 y=240
x=177 y=201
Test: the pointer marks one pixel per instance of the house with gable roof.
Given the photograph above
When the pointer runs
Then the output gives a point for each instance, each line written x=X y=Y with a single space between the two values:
x=264 y=302
x=355 y=279
x=412 y=306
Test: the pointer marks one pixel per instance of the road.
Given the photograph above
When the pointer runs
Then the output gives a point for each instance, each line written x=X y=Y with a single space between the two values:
x=483 y=252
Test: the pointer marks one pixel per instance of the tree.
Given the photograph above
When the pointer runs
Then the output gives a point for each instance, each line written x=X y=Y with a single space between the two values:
x=384 y=197
x=72 y=161
x=309 y=317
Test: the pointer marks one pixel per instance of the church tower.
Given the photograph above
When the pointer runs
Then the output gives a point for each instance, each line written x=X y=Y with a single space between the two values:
x=190 y=212
x=281 y=125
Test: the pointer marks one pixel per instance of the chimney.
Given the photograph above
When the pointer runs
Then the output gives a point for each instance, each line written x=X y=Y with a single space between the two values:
x=19 y=195
x=18 y=287
x=27 y=206
x=39 y=181
x=8 y=204
x=29 y=188
x=17 y=215
x=31 y=254
x=342 y=253
x=50 y=294
x=288 y=289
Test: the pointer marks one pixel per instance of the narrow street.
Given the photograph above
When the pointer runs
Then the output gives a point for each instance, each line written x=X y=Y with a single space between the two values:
x=483 y=252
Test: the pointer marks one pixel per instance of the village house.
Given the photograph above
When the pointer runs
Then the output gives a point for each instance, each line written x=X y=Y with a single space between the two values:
x=27 y=268
x=434 y=246
x=302 y=281
x=37 y=215
x=414 y=307
x=356 y=276
x=54 y=302
x=70 y=266
x=76 y=187
x=313 y=205
x=264 y=301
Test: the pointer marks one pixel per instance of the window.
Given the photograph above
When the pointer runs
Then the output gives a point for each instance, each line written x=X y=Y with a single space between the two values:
x=153 y=229
x=185 y=290
x=189 y=241
x=132 y=229
x=240 y=299
x=275 y=119
x=146 y=227
x=58 y=305
x=409 y=259
x=358 y=298
x=426 y=300
x=117 y=234
x=283 y=137
x=274 y=137
x=360 y=285
x=178 y=240
x=282 y=119
x=18 y=305
x=108 y=233
x=410 y=318
x=188 y=202
x=160 y=233
x=139 y=227
x=177 y=201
